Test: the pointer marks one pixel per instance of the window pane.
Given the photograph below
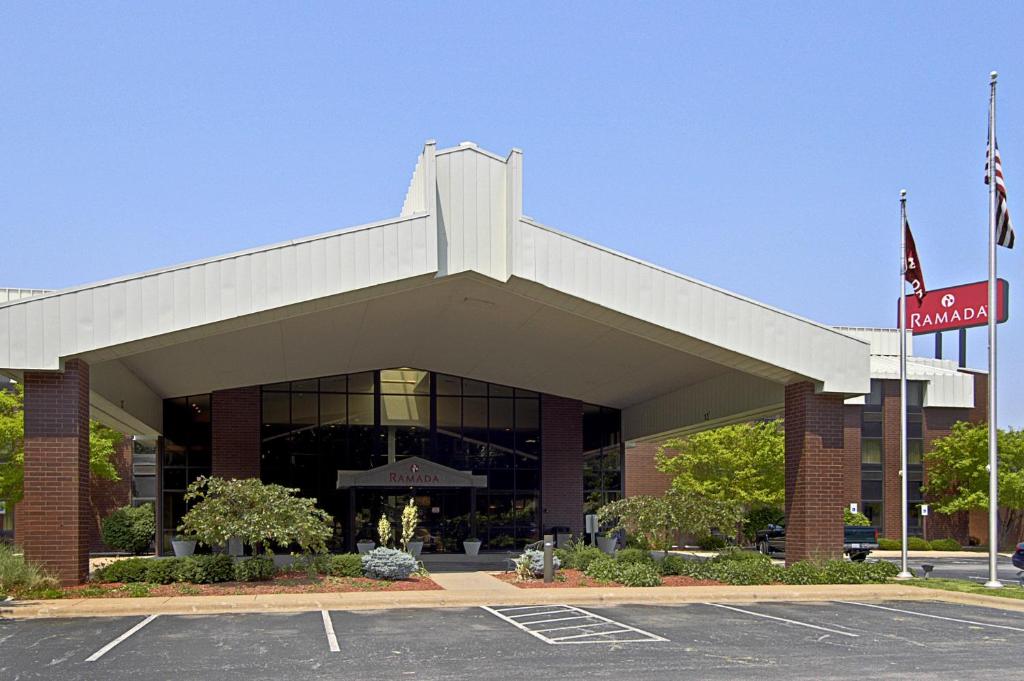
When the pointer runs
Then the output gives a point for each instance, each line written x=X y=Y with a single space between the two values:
x=591 y=427
x=875 y=396
x=499 y=390
x=528 y=426
x=405 y=382
x=914 y=452
x=501 y=436
x=361 y=383
x=449 y=385
x=915 y=393
x=475 y=388
x=334 y=384
x=870 y=451
x=405 y=410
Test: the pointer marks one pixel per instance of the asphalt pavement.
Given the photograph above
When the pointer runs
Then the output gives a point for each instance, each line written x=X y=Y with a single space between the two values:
x=832 y=640
x=969 y=568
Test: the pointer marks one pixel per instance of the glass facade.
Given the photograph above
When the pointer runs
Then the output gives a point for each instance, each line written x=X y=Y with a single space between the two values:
x=186 y=456
x=313 y=428
x=872 y=453
x=602 y=457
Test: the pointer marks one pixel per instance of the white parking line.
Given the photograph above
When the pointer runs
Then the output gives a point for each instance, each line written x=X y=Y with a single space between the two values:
x=110 y=646
x=937 y=617
x=787 y=621
x=585 y=635
x=332 y=640
x=534 y=614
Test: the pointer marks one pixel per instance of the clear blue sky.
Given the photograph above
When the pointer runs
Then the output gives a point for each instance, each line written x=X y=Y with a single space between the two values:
x=759 y=149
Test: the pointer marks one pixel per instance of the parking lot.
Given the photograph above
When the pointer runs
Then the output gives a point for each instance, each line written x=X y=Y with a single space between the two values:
x=833 y=640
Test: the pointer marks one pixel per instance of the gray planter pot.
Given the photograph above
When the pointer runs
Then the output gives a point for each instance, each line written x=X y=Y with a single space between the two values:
x=365 y=546
x=235 y=547
x=183 y=547
x=607 y=544
x=472 y=548
x=658 y=555
x=415 y=548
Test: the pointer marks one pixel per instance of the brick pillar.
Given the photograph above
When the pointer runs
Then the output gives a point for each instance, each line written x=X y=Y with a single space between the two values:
x=814 y=474
x=561 y=429
x=642 y=477
x=892 y=490
x=55 y=516
x=236 y=433
x=107 y=495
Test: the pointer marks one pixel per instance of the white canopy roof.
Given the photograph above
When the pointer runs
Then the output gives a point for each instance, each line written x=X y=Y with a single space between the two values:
x=461 y=281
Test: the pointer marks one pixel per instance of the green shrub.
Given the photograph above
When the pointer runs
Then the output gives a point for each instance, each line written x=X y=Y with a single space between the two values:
x=127 y=570
x=189 y=569
x=138 y=589
x=578 y=556
x=392 y=564
x=18 y=576
x=711 y=543
x=858 y=519
x=736 y=554
x=637 y=574
x=604 y=569
x=880 y=572
x=674 y=565
x=803 y=572
x=130 y=529
x=345 y=565
x=889 y=544
x=218 y=567
x=918 y=544
x=255 y=569
x=162 y=570
x=743 y=572
x=843 y=572
x=634 y=556
x=945 y=545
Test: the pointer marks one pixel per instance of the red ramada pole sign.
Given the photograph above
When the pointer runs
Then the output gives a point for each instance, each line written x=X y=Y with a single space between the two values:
x=956 y=307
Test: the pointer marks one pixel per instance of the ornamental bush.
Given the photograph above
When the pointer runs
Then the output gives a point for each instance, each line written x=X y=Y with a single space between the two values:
x=161 y=570
x=531 y=563
x=945 y=545
x=130 y=529
x=858 y=519
x=188 y=569
x=18 y=575
x=345 y=565
x=578 y=556
x=918 y=544
x=127 y=570
x=390 y=564
x=607 y=569
x=218 y=567
x=889 y=544
x=255 y=569
x=634 y=556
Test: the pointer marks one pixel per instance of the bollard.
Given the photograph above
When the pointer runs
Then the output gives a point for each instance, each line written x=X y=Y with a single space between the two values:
x=549 y=558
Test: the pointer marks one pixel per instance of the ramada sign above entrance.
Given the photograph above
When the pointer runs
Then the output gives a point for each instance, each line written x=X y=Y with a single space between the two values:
x=956 y=307
x=410 y=472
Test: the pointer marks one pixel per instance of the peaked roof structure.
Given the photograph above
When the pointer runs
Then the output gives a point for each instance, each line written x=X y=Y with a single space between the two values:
x=461 y=281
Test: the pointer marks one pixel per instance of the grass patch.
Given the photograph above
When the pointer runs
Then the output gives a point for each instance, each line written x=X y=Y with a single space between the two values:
x=963 y=586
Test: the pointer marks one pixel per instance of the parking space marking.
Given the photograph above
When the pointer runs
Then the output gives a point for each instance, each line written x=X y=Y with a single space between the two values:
x=332 y=639
x=585 y=632
x=110 y=646
x=937 y=617
x=787 y=621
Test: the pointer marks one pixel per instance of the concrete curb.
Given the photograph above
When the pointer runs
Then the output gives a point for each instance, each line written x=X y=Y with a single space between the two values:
x=210 y=605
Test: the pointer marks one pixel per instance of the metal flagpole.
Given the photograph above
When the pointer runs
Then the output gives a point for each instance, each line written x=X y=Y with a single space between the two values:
x=993 y=455
x=904 y=571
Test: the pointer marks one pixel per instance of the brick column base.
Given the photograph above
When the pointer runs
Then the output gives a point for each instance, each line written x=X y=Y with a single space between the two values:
x=561 y=428
x=55 y=516
x=814 y=474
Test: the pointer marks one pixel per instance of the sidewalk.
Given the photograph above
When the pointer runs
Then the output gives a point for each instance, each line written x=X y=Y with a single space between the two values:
x=919 y=555
x=472 y=589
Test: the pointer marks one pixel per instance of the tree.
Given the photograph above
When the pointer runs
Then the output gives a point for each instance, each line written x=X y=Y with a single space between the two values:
x=958 y=475
x=657 y=521
x=743 y=463
x=260 y=515
x=102 y=444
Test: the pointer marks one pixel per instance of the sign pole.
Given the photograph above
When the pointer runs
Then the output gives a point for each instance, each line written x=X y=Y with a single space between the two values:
x=904 y=572
x=993 y=456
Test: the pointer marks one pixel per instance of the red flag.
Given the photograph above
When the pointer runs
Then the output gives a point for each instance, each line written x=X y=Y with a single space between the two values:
x=911 y=264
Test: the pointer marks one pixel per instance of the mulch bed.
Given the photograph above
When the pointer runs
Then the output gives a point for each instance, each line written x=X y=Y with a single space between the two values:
x=568 y=578
x=286 y=583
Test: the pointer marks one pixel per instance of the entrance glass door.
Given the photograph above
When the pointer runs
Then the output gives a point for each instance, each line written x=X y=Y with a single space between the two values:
x=444 y=515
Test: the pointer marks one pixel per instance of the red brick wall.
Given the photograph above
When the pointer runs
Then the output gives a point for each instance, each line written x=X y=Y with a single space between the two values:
x=814 y=473
x=851 y=454
x=236 y=432
x=641 y=475
x=55 y=516
x=892 y=490
x=107 y=495
x=561 y=423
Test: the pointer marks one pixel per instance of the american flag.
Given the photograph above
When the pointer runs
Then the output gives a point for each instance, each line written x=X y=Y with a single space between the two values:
x=1004 y=228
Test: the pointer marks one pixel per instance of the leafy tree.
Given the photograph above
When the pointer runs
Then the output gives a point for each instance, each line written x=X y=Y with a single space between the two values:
x=657 y=521
x=261 y=515
x=103 y=443
x=743 y=463
x=958 y=475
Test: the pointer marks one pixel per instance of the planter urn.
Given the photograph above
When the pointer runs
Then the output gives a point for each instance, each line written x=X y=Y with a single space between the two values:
x=472 y=547
x=607 y=544
x=365 y=546
x=415 y=547
x=183 y=547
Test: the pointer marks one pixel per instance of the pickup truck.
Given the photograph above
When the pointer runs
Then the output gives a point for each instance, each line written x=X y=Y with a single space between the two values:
x=858 y=540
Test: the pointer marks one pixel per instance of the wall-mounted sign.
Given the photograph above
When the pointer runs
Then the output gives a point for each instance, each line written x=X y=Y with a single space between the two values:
x=924 y=509
x=853 y=507
x=411 y=472
x=956 y=307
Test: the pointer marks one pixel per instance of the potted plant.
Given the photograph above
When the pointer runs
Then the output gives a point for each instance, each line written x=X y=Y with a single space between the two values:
x=183 y=546
x=607 y=542
x=365 y=545
x=410 y=519
x=471 y=546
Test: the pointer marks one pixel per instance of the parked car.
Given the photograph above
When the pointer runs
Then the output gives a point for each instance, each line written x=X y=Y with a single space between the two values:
x=858 y=540
x=1018 y=557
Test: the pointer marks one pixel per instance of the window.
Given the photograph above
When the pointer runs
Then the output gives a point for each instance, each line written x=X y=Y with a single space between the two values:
x=186 y=455
x=144 y=452
x=602 y=457
x=872 y=454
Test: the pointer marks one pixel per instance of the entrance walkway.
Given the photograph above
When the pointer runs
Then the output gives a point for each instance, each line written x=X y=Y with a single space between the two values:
x=460 y=562
x=474 y=584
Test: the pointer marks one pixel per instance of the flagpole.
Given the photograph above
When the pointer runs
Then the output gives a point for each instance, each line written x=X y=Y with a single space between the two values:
x=993 y=456
x=904 y=571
